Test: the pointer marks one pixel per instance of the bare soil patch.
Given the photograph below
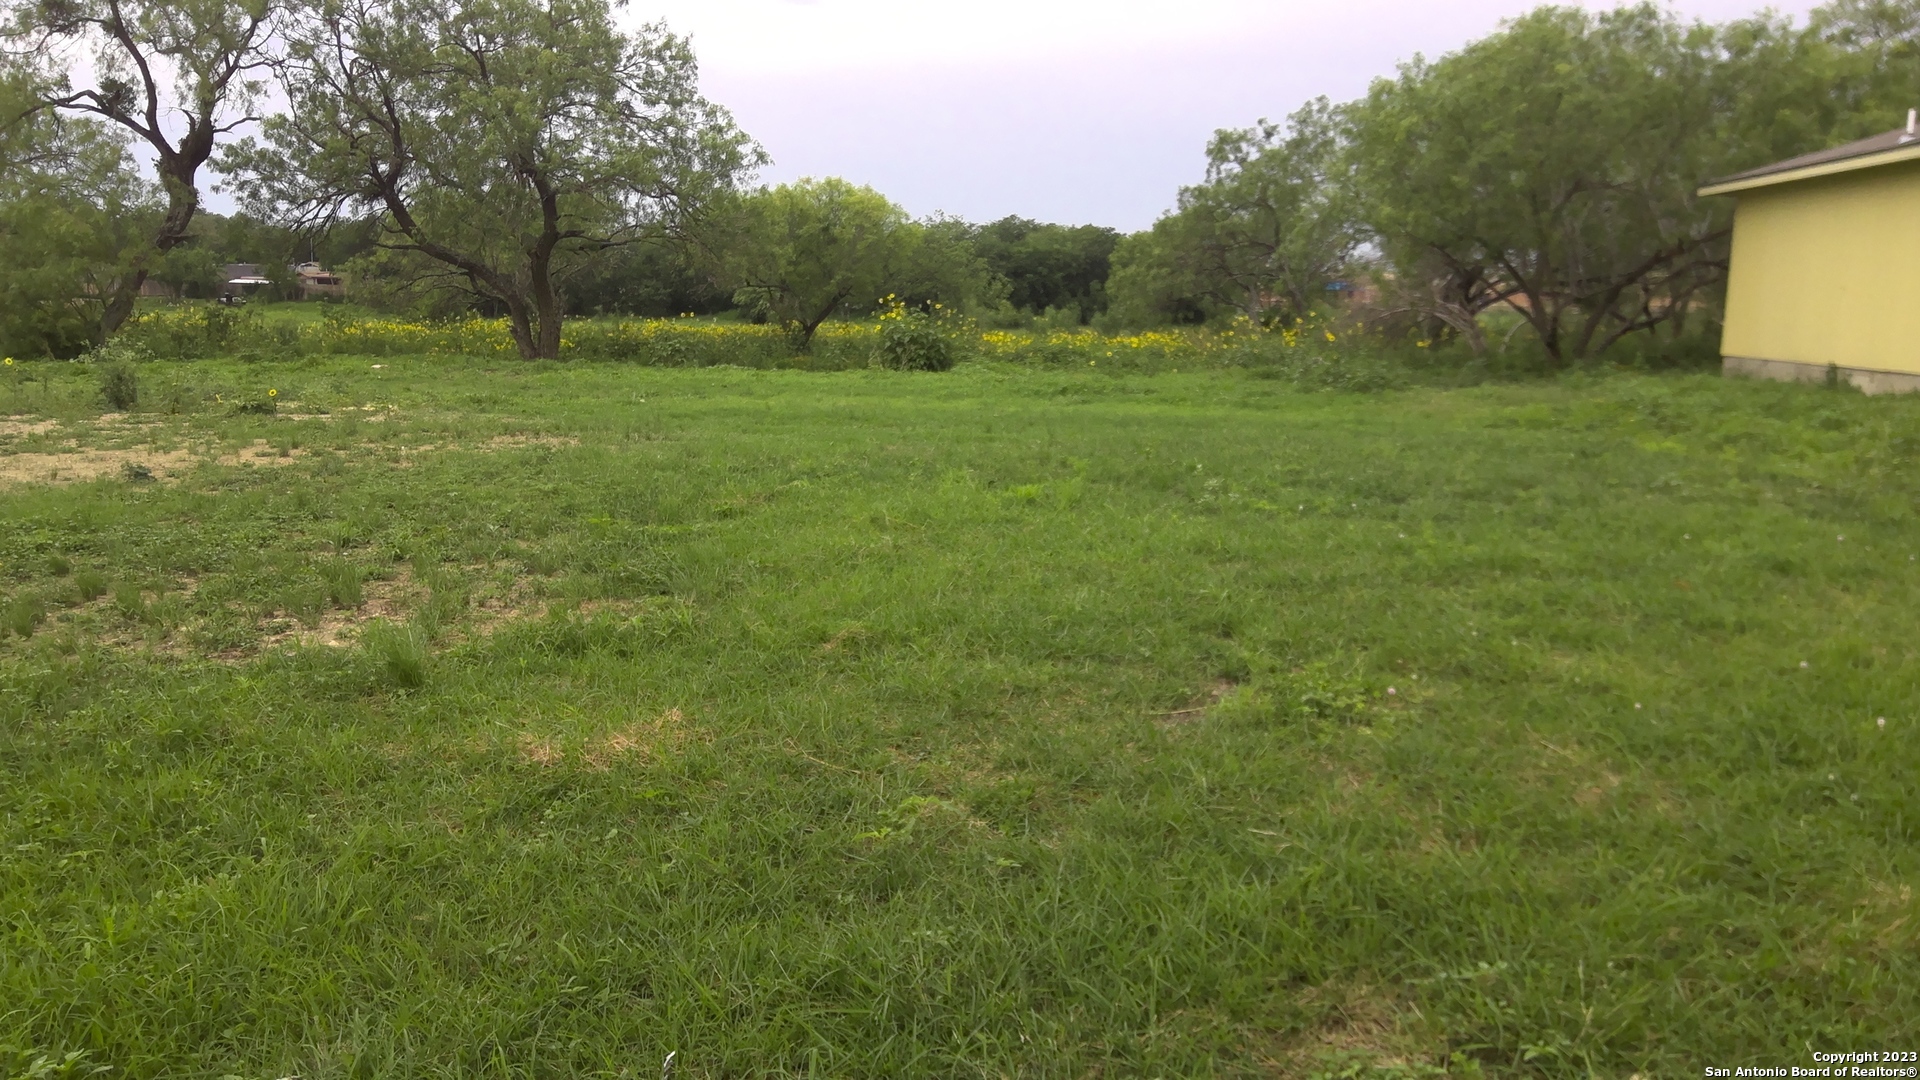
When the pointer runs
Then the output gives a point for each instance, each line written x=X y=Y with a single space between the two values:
x=1359 y=1027
x=641 y=741
x=14 y=427
x=73 y=464
x=391 y=599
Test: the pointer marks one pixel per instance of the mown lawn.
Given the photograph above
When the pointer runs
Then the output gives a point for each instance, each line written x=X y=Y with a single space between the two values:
x=536 y=721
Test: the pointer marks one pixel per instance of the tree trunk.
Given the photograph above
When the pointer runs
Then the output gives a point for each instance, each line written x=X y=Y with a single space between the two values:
x=120 y=302
x=521 y=328
x=546 y=305
x=183 y=202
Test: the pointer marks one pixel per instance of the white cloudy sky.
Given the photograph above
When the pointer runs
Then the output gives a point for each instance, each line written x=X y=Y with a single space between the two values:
x=1062 y=110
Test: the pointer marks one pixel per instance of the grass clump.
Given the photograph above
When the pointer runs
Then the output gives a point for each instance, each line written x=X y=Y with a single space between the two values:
x=398 y=652
x=344 y=582
x=130 y=600
x=22 y=615
x=89 y=585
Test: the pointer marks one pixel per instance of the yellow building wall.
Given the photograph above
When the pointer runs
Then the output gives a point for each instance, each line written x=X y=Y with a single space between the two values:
x=1827 y=271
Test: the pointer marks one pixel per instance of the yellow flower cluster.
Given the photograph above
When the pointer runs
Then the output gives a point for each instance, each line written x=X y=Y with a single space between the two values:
x=687 y=341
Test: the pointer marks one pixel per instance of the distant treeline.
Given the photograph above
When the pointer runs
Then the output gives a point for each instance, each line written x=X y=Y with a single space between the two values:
x=530 y=161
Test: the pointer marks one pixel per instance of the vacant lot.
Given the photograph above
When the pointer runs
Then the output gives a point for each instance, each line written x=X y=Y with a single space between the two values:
x=463 y=719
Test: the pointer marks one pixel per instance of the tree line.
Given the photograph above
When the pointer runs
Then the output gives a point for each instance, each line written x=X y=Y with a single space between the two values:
x=532 y=160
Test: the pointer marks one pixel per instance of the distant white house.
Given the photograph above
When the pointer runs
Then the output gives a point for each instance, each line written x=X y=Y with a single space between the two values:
x=317 y=282
x=242 y=280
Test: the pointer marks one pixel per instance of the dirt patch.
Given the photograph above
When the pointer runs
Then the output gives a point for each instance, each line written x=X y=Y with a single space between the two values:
x=520 y=442
x=1360 y=1028
x=261 y=452
x=640 y=742
x=1592 y=784
x=540 y=751
x=16 y=428
x=76 y=465
x=338 y=628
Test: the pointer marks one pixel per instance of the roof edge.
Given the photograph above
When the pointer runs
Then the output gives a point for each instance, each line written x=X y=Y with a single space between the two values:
x=1910 y=152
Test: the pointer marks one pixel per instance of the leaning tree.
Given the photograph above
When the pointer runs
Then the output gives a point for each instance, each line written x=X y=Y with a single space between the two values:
x=501 y=144
x=177 y=75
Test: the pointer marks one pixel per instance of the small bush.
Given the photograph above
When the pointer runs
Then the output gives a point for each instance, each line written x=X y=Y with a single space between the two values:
x=119 y=386
x=913 y=341
x=58 y=565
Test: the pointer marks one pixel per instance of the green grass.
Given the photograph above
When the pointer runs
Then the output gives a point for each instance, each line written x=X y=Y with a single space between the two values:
x=995 y=723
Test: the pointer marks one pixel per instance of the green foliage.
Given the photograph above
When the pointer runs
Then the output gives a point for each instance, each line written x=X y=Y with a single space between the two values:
x=915 y=340
x=802 y=253
x=130 y=600
x=191 y=332
x=72 y=210
x=503 y=145
x=344 y=582
x=176 y=75
x=17 y=1064
x=1555 y=164
x=1858 y=66
x=1057 y=268
x=22 y=614
x=1270 y=227
x=119 y=385
x=650 y=280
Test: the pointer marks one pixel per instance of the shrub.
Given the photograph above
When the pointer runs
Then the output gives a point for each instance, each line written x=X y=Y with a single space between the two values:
x=119 y=386
x=914 y=341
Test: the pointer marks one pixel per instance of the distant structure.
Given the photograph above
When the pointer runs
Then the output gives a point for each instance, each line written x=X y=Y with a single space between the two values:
x=242 y=281
x=316 y=282
x=1825 y=277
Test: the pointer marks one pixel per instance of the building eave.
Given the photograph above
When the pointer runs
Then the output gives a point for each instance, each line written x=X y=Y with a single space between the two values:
x=1830 y=168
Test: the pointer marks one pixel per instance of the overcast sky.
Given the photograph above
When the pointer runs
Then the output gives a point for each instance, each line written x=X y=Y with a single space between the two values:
x=1062 y=110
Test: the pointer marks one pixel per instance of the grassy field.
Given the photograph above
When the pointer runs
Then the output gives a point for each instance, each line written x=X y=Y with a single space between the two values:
x=465 y=718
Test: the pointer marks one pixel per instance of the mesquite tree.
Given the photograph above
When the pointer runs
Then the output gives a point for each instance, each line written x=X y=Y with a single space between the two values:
x=1552 y=167
x=505 y=142
x=1266 y=232
x=805 y=252
x=178 y=75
